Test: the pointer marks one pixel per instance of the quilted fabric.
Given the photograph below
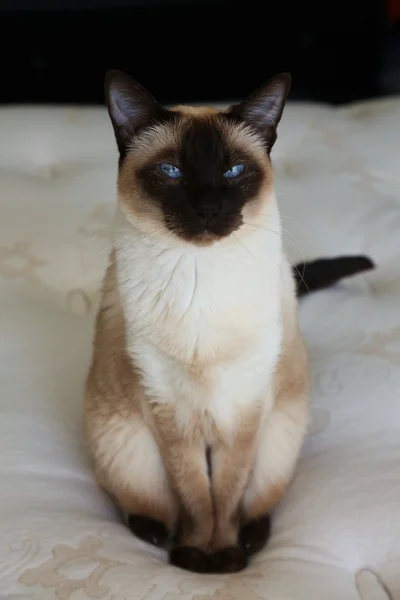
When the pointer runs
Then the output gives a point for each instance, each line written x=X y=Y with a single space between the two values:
x=336 y=536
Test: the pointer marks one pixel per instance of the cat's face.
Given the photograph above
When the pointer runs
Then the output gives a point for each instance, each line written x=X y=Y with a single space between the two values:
x=193 y=172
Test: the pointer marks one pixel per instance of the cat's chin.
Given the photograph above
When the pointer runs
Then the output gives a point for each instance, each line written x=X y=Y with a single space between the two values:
x=203 y=237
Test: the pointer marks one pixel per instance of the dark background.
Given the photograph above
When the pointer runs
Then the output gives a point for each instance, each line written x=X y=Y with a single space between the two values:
x=198 y=50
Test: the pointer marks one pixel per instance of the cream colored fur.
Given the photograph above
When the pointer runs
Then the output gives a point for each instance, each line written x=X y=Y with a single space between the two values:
x=198 y=347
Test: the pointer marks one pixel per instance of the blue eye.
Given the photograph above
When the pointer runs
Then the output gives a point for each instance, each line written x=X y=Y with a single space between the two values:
x=170 y=171
x=234 y=171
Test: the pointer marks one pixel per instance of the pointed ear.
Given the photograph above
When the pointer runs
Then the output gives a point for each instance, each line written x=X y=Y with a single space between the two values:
x=130 y=107
x=263 y=108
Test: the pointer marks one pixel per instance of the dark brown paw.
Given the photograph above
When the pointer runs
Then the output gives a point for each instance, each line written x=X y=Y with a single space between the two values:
x=254 y=535
x=149 y=530
x=228 y=560
x=190 y=559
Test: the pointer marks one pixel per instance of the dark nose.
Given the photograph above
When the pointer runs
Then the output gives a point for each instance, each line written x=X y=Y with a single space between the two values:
x=207 y=210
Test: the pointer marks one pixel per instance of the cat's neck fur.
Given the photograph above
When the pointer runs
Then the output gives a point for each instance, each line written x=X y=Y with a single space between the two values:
x=205 y=295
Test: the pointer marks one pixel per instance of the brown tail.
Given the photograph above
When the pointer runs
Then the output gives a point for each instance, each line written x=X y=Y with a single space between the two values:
x=324 y=272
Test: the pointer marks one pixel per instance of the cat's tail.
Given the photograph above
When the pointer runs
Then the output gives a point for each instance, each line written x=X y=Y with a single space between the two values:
x=324 y=272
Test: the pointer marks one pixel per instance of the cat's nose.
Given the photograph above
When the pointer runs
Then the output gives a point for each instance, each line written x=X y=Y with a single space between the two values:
x=207 y=210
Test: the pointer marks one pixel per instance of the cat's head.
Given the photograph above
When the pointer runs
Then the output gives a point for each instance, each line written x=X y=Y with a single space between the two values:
x=196 y=172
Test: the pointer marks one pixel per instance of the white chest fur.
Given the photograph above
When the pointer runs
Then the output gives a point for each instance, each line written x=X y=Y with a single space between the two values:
x=203 y=324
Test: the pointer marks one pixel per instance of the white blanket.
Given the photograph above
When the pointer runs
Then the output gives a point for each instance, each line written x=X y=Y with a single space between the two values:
x=337 y=534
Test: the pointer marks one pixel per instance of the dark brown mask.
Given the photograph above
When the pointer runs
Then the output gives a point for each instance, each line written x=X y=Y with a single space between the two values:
x=193 y=171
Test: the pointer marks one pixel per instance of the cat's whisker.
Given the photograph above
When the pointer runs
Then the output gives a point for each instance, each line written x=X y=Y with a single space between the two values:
x=301 y=275
x=278 y=233
x=108 y=236
x=106 y=231
x=262 y=227
x=101 y=273
x=102 y=251
x=125 y=237
x=109 y=247
x=257 y=214
x=121 y=253
x=241 y=242
x=171 y=236
x=296 y=242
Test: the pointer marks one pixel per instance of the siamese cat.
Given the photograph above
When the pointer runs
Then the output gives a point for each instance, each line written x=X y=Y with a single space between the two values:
x=197 y=400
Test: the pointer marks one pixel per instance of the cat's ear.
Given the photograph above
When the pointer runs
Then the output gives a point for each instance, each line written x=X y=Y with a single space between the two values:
x=263 y=108
x=129 y=105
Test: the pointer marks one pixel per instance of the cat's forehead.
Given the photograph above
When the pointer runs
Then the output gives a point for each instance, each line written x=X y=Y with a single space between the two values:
x=195 y=111
x=191 y=133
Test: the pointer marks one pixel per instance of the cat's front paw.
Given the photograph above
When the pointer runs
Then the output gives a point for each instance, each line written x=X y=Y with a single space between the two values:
x=149 y=530
x=228 y=560
x=190 y=559
x=255 y=534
